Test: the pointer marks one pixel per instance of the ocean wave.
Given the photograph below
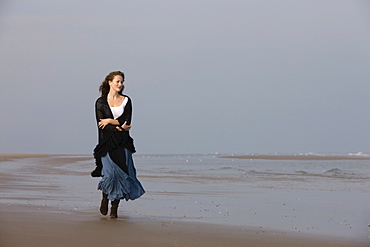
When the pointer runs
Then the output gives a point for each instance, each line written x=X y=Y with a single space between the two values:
x=302 y=172
x=331 y=173
x=334 y=170
x=339 y=173
x=359 y=154
x=311 y=154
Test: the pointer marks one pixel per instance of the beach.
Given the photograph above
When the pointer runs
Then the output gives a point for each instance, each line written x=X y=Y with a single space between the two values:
x=191 y=200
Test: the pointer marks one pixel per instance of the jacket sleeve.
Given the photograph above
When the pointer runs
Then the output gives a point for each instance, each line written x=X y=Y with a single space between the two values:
x=99 y=114
x=127 y=114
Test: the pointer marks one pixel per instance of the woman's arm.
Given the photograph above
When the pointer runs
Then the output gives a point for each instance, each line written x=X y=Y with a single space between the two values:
x=124 y=127
x=101 y=119
x=106 y=121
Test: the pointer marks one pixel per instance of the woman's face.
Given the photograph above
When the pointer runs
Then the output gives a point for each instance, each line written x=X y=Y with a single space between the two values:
x=116 y=84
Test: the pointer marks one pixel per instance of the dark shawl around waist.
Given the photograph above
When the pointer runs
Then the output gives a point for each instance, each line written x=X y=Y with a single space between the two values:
x=111 y=140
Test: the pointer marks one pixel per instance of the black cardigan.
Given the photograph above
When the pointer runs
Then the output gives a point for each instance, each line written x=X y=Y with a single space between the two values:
x=111 y=140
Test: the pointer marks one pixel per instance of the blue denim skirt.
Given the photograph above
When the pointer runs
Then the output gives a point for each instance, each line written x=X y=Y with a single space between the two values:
x=116 y=183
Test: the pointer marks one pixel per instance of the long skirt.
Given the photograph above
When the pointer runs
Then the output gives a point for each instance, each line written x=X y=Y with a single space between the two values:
x=116 y=183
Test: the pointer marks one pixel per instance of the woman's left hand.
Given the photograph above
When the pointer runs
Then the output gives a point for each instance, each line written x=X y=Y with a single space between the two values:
x=125 y=126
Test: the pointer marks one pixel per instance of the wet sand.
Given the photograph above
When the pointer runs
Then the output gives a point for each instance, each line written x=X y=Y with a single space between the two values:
x=27 y=226
x=36 y=211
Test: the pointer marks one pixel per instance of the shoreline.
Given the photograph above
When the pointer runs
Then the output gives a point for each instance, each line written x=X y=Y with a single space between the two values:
x=13 y=156
x=294 y=157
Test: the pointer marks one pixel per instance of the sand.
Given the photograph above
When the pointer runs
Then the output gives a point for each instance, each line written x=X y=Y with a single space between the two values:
x=24 y=224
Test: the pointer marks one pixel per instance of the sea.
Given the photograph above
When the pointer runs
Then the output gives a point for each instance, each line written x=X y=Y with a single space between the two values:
x=319 y=197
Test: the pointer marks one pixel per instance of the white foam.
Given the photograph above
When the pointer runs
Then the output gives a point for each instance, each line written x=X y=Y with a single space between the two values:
x=360 y=154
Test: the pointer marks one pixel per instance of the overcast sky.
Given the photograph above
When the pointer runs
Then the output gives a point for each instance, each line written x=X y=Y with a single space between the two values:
x=204 y=76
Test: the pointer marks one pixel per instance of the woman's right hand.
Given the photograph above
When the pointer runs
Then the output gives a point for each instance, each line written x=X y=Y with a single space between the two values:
x=104 y=122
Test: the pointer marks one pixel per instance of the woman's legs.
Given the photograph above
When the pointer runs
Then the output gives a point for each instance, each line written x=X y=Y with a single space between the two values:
x=117 y=184
x=104 y=204
x=114 y=209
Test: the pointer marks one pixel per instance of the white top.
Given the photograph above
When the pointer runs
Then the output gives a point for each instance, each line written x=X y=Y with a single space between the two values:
x=118 y=110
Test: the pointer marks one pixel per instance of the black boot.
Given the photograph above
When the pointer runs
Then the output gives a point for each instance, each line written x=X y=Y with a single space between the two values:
x=114 y=209
x=104 y=204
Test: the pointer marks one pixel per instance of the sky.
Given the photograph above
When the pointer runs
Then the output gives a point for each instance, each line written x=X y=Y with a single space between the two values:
x=204 y=76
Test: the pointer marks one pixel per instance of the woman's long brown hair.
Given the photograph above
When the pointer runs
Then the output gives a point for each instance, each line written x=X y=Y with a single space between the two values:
x=104 y=87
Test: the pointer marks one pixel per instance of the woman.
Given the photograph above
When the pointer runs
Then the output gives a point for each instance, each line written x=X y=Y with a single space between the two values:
x=113 y=154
